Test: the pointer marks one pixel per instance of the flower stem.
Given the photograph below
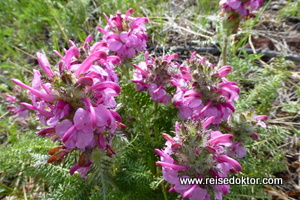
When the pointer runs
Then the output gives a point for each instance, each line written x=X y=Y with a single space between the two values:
x=164 y=192
x=224 y=51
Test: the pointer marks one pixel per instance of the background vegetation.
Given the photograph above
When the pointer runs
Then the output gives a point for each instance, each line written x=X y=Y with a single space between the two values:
x=29 y=26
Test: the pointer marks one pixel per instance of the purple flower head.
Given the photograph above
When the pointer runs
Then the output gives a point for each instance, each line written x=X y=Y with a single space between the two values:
x=196 y=152
x=77 y=100
x=244 y=127
x=248 y=124
x=203 y=91
x=243 y=8
x=125 y=35
x=155 y=75
x=14 y=105
x=44 y=63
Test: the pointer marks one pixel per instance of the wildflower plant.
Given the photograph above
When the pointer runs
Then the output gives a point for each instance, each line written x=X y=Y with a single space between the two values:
x=232 y=13
x=155 y=75
x=76 y=102
x=197 y=152
x=205 y=98
x=125 y=35
x=201 y=89
x=15 y=107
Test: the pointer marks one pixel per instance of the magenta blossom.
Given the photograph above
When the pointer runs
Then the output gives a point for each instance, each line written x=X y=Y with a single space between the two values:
x=155 y=75
x=125 y=35
x=243 y=8
x=76 y=101
x=19 y=110
x=244 y=126
x=203 y=91
x=196 y=152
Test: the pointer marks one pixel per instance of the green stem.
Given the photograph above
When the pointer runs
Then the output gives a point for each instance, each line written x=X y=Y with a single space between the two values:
x=224 y=51
x=125 y=71
x=164 y=192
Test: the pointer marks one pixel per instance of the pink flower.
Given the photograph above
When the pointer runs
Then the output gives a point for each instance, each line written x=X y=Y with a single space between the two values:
x=155 y=75
x=81 y=169
x=243 y=8
x=238 y=150
x=224 y=71
x=196 y=152
x=78 y=102
x=125 y=35
x=10 y=98
x=229 y=90
x=42 y=95
x=19 y=110
x=236 y=167
x=260 y=119
x=220 y=139
x=45 y=65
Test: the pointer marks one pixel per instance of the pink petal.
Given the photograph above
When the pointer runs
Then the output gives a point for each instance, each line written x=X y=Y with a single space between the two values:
x=73 y=51
x=44 y=63
x=101 y=115
x=115 y=45
x=137 y=22
x=82 y=120
x=68 y=134
x=89 y=61
x=44 y=96
x=173 y=166
x=224 y=71
x=104 y=85
x=41 y=111
x=208 y=121
x=129 y=12
x=224 y=139
x=189 y=191
x=84 y=139
x=86 y=81
x=124 y=37
x=63 y=127
x=234 y=163
x=90 y=107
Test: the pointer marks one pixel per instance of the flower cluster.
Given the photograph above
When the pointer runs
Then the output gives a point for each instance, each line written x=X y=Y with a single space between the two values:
x=197 y=152
x=201 y=90
x=244 y=126
x=236 y=10
x=155 y=75
x=76 y=101
x=15 y=106
x=243 y=8
x=205 y=98
x=125 y=35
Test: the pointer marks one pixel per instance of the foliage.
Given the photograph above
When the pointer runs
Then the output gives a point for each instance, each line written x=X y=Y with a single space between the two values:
x=290 y=9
